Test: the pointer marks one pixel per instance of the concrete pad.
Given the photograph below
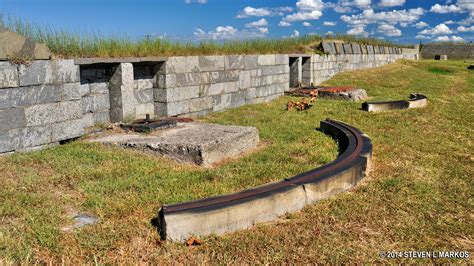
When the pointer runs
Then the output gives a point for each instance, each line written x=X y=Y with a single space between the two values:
x=197 y=143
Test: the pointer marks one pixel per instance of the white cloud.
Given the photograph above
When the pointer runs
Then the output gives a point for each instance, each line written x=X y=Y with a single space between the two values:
x=263 y=11
x=368 y=16
x=346 y=6
x=466 y=5
x=422 y=37
x=448 y=22
x=443 y=9
x=439 y=29
x=306 y=10
x=231 y=33
x=195 y=1
x=389 y=30
x=259 y=23
x=284 y=24
x=313 y=15
x=329 y=33
x=359 y=30
x=466 y=29
x=421 y=24
x=306 y=24
x=467 y=22
x=449 y=39
x=295 y=34
x=329 y=23
x=391 y=3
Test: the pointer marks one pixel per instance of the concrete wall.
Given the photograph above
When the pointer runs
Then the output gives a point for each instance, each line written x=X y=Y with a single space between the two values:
x=196 y=85
x=453 y=51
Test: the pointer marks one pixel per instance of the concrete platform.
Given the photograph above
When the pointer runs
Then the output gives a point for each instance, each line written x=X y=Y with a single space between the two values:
x=196 y=143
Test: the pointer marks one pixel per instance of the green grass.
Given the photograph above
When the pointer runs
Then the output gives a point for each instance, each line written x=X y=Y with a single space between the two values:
x=76 y=44
x=419 y=195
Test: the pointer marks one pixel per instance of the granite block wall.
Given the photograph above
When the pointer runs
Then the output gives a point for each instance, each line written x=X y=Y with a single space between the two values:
x=197 y=85
x=453 y=51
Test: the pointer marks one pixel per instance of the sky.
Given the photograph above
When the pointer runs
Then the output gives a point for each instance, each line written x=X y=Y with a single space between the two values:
x=402 y=21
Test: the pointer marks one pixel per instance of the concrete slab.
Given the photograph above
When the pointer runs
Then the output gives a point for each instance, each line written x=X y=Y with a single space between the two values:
x=196 y=143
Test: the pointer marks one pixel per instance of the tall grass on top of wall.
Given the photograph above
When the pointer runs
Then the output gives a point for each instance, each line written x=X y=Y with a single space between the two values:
x=75 y=44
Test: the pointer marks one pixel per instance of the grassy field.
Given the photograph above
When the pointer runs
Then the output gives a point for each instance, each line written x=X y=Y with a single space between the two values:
x=76 y=44
x=419 y=195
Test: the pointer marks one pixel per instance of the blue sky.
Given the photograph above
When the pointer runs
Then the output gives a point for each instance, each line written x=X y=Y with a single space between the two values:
x=404 y=21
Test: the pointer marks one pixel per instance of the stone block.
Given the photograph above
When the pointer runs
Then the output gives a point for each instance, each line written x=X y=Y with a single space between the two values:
x=142 y=110
x=12 y=118
x=266 y=60
x=172 y=108
x=100 y=102
x=245 y=79
x=84 y=89
x=182 y=64
x=347 y=48
x=228 y=100
x=15 y=45
x=328 y=47
x=144 y=95
x=99 y=88
x=166 y=81
x=176 y=94
x=67 y=130
x=250 y=93
x=44 y=114
x=211 y=63
x=273 y=70
x=356 y=48
x=49 y=72
x=143 y=84
x=224 y=76
x=197 y=143
x=102 y=117
x=8 y=75
x=71 y=91
x=370 y=49
x=232 y=62
x=282 y=59
x=251 y=61
x=86 y=104
x=339 y=48
x=190 y=79
x=199 y=104
x=88 y=120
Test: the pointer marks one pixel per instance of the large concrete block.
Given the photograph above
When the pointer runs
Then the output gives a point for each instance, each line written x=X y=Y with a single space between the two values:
x=49 y=72
x=176 y=94
x=67 y=130
x=251 y=62
x=14 y=45
x=273 y=70
x=12 y=118
x=211 y=63
x=144 y=95
x=17 y=97
x=121 y=93
x=245 y=79
x=224 y=76
x=86 y=104
x=45 y=114
x=143 y=84
x=266 y=60
x=100 y=102
x=71 y=91
x=328 y=47
x=171 y=108
x=199 y=104
x=339 y=48
x=99 y=88
x=143 y=109
x=228 y=100
x=190 y=79
x=356 y=48
x=250 y=93
x=8 y=75
x=232 y=62
x=23 y=138
x=282 y=59
x=166 y=81
x=182 y=64
x=347 y=48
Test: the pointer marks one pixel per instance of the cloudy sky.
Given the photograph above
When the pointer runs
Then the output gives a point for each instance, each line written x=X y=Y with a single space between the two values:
x=404 y=21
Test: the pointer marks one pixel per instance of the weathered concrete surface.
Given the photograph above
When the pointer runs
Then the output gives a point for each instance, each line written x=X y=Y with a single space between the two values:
x=13 y=45
x=197 y=143
x=453 y=51
x=416 y=101
x=349 y=95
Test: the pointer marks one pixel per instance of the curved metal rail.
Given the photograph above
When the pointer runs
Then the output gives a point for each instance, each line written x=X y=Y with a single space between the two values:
x=416 y=100
x=241 y=210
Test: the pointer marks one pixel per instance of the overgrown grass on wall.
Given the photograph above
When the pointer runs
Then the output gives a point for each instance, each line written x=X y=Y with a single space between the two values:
x=74 y=44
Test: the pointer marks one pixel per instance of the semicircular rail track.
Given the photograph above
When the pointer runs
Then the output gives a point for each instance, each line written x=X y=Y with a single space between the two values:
x=228 y=213
x=416 y=100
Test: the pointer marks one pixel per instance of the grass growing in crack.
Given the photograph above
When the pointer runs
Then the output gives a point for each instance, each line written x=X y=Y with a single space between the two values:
x=76 y=44
x=418 y=196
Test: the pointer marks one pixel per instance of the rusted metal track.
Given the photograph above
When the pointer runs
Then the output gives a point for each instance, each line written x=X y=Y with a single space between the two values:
x=355 y=152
